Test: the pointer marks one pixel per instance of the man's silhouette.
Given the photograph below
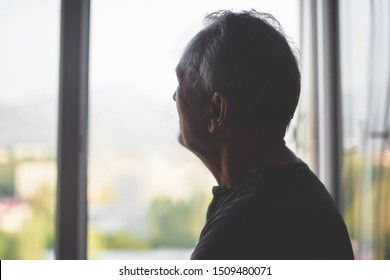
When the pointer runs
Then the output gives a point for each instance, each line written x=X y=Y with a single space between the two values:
x=239 y=85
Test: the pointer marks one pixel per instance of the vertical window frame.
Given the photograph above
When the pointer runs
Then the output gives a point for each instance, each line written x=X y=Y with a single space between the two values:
x=324 y=58
x=71 y=214
x=329 y=98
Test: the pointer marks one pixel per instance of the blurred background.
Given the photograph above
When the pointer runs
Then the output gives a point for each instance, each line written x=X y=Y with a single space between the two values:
x=146 y=195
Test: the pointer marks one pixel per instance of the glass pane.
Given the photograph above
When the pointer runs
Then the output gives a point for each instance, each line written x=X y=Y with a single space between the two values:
x=365 y=53
x=29 y=44
x=147 y=195
x=302 y=134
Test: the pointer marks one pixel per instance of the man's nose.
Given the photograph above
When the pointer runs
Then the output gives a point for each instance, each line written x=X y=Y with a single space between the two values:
x=174 y=96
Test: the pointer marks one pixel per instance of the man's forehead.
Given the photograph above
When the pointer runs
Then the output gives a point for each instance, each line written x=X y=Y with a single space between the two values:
x=185 y=63
x=179 y=71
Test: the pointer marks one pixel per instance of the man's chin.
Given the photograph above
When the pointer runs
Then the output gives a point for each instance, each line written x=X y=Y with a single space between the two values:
x=180 y=140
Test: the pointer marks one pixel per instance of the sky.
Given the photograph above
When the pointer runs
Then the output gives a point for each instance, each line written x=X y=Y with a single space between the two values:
x=134 y=49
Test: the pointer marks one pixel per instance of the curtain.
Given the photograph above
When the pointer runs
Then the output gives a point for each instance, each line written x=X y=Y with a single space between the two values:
x=365 y=90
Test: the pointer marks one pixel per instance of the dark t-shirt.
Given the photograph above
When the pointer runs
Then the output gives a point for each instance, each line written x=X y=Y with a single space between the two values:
x=280 y=212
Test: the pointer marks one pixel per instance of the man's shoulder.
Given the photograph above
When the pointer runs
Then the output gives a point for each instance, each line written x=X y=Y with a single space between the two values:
x=281 y=209
x=277 y=197
x=275 y=214
x=284 y=186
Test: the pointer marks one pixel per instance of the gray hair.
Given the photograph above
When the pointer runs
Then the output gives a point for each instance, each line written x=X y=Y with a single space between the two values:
x=247 y=57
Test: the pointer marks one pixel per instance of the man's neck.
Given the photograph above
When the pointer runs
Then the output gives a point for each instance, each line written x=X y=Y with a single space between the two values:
x=239 y=159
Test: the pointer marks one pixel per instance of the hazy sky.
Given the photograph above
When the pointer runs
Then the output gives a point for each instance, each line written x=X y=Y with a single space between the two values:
x=134 y=49
x=121 y=30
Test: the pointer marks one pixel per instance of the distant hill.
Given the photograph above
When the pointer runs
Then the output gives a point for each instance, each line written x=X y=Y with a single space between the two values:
x=31 y=121
x=118 y=118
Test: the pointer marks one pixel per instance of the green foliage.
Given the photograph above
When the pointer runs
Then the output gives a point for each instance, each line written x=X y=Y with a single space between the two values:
x=387 y=250
x=32 y=239
x=125 y=240
x=175 y=223
x=8 y=246
x=95 y=243
x=7 y=185
x=367 y=201
x=172 y=224
x=37 y=234
x=117 y=240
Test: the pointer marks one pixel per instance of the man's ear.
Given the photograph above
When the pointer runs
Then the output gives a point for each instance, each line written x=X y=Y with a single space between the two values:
x=220 y=112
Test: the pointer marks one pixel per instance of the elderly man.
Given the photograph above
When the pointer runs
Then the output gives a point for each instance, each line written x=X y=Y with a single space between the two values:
x=239 y=86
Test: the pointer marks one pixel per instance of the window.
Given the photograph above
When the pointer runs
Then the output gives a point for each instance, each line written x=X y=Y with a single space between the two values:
x=365 y=48
x=147 y=196
x=29 y=52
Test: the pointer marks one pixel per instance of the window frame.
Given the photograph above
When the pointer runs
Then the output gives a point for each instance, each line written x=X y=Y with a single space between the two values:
x=71 y=214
